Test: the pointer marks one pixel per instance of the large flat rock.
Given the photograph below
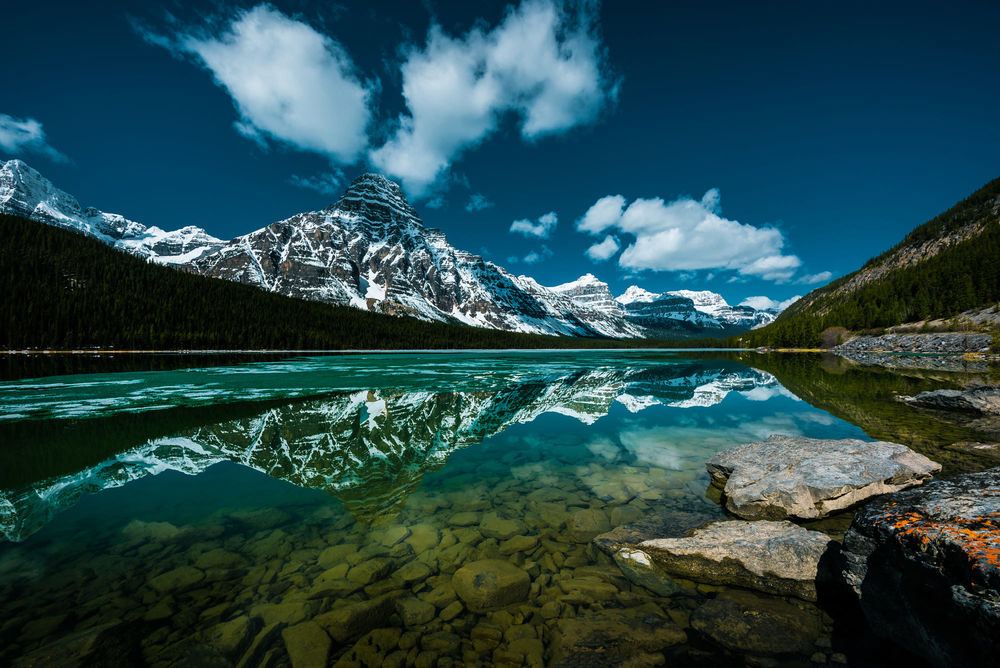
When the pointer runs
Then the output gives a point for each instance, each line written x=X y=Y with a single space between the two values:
x=925 y=564
x=807 y=478
x=773 y=557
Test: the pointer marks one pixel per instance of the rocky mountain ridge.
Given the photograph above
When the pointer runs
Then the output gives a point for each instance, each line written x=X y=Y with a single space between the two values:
x=371 y=250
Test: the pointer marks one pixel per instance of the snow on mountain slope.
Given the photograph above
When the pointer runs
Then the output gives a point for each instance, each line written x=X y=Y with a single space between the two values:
x=25 y=192
x=371 y=250
x=636 y=294
x=590 y=291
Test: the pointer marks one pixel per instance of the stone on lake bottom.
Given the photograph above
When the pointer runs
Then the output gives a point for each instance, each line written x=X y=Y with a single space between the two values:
x=307 y=644
x=745 y=622
x=490 y=583
x=614 y=637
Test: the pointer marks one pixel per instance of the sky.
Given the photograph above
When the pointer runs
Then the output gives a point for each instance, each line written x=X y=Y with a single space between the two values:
x=757 y=150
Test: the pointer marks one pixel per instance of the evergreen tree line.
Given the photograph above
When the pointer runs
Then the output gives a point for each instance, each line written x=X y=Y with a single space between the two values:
x=64 y=290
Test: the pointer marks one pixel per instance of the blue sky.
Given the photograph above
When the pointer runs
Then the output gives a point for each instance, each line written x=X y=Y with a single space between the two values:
x=750 y=149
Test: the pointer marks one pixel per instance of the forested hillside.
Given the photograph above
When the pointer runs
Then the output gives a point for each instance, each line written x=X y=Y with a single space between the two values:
x=944 y=267
x=64 y=290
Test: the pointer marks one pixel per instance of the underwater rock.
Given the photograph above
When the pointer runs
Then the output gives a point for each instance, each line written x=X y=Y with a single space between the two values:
x=179 y=578
x=808 y=478
x=614 y=637
x=490 y=583
x=742 y=621
x=351 y=620
x=307 y=644
x=584 y=525
x=664 y=523
x=925 y=564
x=415 y=612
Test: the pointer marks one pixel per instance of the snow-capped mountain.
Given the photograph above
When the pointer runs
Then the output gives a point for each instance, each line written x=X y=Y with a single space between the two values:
x=591 y=291
x=701 y=312
x=370 y=250
x=25 y=192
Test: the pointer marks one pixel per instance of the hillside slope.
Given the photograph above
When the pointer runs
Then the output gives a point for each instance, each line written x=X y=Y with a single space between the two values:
x=944 y=267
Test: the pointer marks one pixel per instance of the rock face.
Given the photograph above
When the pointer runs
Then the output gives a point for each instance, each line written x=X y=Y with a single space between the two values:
x=982 y=400
x=773 y=557
x=806 y=478
x=681 y=312
x=490 y=583
x=917 y=343
x=925 y=564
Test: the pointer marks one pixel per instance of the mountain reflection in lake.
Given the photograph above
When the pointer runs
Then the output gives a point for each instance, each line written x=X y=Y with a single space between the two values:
x=401 y=470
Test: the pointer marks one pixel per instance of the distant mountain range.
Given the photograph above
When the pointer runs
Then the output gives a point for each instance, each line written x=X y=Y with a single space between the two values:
x=370 y=250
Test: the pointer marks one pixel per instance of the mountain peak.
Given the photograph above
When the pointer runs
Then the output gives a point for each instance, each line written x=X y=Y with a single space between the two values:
x=636 y=294
x=372 y=190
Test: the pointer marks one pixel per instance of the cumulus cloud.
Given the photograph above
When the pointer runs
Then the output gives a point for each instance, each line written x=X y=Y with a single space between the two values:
x=689 y=235
x=543 y=63
x=762 y=303
x=603 y=250
x=541 y=229
x=289 y=83
x=811 y=279
x=477 y=202
x=535 y=257
x=325 y=184
x=26 y=135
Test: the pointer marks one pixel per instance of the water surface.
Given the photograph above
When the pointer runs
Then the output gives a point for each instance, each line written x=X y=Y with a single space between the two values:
x=159 y=515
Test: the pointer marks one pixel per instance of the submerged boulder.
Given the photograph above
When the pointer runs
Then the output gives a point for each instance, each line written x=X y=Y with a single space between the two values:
x=925 y=564
x=635 y=636
x=982 y=400
x=742 y=622
x=773 y=557
x=490 y=583
x=807 y=478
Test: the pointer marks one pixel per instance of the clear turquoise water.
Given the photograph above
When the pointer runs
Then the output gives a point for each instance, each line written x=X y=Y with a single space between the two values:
x=160 y=516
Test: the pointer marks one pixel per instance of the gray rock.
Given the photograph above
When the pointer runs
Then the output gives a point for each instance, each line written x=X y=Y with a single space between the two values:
x=490 y=583
x=774 y=557
x=585 y=525
x=982 y=400
x=925 y=564
x=788 y=476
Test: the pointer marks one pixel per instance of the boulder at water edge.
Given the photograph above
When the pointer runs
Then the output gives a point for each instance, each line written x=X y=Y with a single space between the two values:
x=925 y=564
x=773 y=557
x=807 y=478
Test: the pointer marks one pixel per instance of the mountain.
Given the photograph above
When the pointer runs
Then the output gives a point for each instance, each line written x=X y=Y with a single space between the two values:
x=687 y=313
x=370 y=250
x=25 y=192
x=943 y=268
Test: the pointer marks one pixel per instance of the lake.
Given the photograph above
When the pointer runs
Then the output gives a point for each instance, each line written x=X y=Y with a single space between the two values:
x=208 y=511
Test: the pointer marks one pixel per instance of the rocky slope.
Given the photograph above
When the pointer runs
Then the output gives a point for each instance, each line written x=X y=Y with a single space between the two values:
x=371 y=250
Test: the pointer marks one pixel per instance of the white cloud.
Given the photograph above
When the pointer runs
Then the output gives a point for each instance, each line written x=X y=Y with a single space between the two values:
x=543 y=63
x=603 y=250
x=26 y=135
x=810 y=279
x=688 y=235
x=535 y=257
x=325 y=184
x=766 y=303
x=288 y=82
x=477 y=202
x=542 y=229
